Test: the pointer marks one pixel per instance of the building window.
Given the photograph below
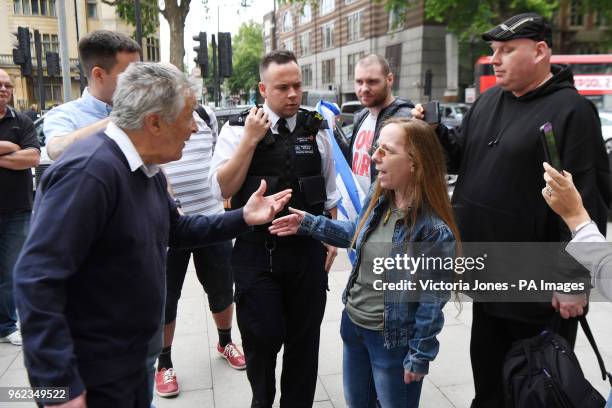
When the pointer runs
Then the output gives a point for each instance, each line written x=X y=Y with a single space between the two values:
x=328 y=35
x=268 y=45
x=53 y=89
x=34 y=7
x=287 y=22
x=307 y=75
x=327 y=6
x=396 y=18
x=92 y=9
x=328 y=68
x=288 y=44
x=352 y=62
x=600 y=19
x=576 y=16
x=153 y=49
x=50 y=42
x=393 y=54
x=23 y=6
x=354 y=26
x=305 y=43
x=306 y=14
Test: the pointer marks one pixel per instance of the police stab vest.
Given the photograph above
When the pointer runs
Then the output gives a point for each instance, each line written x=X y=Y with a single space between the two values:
x=286 y=161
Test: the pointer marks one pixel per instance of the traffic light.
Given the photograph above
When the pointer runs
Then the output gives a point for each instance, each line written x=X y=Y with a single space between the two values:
x=18 y=57
x=225 y=55
x=53 y=64
x=201 y=52
x=22 y=55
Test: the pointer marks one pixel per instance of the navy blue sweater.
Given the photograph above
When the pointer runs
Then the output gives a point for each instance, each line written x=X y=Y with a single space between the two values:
x=90 y=281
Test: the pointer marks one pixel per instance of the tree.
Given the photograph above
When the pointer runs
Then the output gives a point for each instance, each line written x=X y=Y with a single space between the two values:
x=173 y=12
x=247 y=48
x=470 y=18
x=149 y=12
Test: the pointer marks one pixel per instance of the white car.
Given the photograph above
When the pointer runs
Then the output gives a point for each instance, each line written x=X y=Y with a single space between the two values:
x=452 y=113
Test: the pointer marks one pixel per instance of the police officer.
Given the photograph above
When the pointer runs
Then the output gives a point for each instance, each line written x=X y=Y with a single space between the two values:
x=280 y=282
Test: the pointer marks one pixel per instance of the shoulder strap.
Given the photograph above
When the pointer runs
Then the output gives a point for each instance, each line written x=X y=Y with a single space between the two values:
x=204 y=115
x=589 y=335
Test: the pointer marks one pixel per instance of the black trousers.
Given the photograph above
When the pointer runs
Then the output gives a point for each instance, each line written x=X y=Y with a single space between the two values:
x=130 y=391
x=280 y=306
x=492 y=338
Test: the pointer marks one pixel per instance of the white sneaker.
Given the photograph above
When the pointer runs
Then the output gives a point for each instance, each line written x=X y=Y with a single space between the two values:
x=14 y=338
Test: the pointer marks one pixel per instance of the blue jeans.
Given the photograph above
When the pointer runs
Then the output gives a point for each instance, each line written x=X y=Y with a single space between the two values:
x=13 y=231
x=371 y=372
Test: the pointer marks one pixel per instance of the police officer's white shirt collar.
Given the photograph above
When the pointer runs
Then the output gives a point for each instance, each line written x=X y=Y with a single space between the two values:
x=129 y=150
x=291 y=122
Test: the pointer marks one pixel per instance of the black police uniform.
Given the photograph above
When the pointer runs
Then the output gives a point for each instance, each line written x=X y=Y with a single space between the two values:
x=281 y=281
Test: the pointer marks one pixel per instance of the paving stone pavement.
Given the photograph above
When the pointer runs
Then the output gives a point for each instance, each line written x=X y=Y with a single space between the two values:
x=206 y=380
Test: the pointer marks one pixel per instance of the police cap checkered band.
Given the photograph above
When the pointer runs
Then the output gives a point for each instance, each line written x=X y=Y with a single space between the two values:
x=527 y=25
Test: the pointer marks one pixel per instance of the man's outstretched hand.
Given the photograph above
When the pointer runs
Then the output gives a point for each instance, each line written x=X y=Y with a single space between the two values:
x=261 y=210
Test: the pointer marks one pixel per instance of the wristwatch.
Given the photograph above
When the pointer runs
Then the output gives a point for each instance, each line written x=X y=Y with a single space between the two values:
x=581 y=226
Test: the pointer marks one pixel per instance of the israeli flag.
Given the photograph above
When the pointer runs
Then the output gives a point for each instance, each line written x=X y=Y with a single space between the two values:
x=352 y=194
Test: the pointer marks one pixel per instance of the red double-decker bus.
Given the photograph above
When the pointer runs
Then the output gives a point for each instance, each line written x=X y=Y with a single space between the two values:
x=592 y=76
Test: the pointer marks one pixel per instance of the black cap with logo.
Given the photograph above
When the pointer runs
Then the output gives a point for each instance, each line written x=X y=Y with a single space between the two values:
x=526 y=25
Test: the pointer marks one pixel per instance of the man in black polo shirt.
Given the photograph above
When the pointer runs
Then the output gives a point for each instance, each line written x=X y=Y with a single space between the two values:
x=19 y=151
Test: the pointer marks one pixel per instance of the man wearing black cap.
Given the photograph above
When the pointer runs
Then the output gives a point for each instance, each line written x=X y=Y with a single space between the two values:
x=498 y=156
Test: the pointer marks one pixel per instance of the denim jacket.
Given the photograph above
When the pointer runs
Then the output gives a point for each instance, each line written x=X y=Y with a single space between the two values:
x=406 y=321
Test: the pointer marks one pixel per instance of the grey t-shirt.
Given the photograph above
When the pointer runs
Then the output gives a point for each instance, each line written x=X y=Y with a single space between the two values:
x=365 y=305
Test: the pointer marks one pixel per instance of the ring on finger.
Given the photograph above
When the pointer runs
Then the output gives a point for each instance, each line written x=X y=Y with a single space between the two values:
x=549 y=190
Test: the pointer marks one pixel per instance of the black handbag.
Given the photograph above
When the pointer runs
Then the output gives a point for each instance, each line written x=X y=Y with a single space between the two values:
x=543 y=371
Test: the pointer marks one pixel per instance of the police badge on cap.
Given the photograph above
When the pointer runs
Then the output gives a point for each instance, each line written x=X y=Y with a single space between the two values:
x=526 y=25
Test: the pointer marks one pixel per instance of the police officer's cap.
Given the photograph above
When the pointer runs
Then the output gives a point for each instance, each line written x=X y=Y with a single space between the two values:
x=526 y=25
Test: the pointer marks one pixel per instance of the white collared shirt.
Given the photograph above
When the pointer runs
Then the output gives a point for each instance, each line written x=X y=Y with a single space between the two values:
x=129 y=150
x=228 y=142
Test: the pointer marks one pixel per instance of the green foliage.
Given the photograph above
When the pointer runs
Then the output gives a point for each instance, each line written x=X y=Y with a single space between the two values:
x=247 y=50
x=469 y=18
x=149 y=12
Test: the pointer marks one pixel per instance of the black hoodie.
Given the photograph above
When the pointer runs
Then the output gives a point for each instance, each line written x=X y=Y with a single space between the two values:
x=498 y=155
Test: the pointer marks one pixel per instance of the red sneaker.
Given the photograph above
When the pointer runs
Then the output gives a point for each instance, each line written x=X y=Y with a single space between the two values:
x=165 y=383
x=233 y=355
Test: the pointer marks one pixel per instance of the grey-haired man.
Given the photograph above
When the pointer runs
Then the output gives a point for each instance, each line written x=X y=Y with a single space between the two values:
x=102 y=223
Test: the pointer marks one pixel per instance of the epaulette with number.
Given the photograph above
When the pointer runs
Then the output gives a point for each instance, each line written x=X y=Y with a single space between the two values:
x=313 y=121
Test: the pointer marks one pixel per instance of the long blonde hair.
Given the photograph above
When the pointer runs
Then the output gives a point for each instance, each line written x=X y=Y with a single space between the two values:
x=430 y=190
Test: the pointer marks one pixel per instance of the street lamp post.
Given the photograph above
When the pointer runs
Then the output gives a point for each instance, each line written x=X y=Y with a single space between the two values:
x=63 y=43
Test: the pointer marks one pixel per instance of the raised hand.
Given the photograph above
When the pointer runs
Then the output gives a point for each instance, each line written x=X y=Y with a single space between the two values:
x=418 y=112
x=261 y=210
x=287 y=225
x=561 y=195
x=256 y=125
